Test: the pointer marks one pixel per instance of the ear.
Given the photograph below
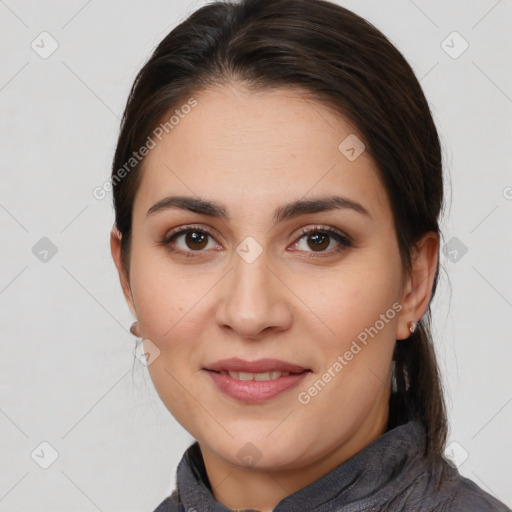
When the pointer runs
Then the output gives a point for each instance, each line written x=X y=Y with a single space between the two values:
x=417 y=289
x=115 y=249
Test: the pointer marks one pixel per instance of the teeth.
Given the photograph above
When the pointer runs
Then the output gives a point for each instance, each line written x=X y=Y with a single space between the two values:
x=255 y=376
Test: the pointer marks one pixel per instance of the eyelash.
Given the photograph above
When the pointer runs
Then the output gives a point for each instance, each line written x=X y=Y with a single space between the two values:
x=344 y=240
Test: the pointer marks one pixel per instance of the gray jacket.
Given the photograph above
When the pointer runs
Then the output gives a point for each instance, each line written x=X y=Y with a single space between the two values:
x=388 y=475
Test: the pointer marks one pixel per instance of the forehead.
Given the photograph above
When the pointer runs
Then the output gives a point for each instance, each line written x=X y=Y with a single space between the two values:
x=246 y=149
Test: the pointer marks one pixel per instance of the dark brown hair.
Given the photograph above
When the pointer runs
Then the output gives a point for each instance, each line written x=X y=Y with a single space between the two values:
x=343 y=61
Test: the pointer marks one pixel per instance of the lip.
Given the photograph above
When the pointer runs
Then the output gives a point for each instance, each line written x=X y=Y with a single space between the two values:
x=234 y=364
x=254 y=391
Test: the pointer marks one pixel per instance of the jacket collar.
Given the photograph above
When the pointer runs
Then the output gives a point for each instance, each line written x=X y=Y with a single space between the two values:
x=384 y=468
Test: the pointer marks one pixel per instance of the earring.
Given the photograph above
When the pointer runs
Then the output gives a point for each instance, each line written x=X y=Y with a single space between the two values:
x=135 y=330
x=412 y=326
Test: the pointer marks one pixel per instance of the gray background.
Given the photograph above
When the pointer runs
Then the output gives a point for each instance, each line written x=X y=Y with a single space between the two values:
x=67 y=365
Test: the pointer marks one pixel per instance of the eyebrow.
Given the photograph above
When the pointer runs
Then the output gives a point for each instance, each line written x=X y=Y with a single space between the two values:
x=285 y=212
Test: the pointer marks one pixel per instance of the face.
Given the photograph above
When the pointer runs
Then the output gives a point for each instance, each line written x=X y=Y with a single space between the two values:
x=318 y=286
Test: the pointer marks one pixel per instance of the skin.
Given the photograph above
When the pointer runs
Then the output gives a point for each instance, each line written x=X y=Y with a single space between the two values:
x=254 y=152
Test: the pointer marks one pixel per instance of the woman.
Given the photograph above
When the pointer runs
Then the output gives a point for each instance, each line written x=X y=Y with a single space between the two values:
x=277 y=189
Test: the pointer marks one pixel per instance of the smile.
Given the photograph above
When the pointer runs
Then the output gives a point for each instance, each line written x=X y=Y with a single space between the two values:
x=254 y=388
x=255 y=376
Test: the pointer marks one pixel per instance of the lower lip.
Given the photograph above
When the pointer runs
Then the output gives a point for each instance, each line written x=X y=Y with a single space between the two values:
x=255 y=391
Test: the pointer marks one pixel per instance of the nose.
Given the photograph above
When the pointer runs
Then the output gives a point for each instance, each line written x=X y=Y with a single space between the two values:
x=253 y=300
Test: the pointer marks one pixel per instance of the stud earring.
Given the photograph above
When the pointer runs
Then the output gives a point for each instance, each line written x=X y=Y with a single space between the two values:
x=412 y=326
x=135 y=330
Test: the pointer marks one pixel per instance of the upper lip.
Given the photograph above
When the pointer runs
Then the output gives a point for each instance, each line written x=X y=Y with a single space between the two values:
x=235 y=364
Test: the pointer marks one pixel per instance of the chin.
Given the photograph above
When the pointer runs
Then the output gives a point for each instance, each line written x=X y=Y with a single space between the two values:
x=260 y=451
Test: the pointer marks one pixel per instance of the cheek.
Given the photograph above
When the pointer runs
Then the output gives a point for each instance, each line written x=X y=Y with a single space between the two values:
x=354 y=299
x=361 y=309
x=164 y=296
x=176 y=389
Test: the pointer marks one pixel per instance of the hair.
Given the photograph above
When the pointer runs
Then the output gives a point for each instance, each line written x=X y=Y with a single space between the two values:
x=347 y=64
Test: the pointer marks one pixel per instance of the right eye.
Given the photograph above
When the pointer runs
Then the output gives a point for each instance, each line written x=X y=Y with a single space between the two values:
x=193 y=240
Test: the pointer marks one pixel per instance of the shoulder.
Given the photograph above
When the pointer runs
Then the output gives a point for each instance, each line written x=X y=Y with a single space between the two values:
x=170 y=504
x=444 y=489
x=467 y=496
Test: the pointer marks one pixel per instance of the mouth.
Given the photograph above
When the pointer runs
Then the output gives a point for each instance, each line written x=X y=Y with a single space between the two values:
x=255 y=381
x=261 y=376
x=261 y=369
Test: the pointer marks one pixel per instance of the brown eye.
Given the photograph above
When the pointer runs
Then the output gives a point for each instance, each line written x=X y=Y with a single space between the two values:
x=319 y=238
x=188 y=241
x=318 y=241
x=196 y=240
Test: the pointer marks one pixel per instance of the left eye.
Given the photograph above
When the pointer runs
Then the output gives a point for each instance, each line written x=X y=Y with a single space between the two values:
x=319 y=239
